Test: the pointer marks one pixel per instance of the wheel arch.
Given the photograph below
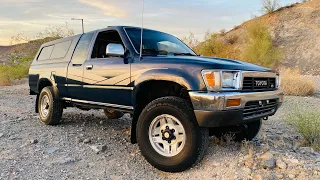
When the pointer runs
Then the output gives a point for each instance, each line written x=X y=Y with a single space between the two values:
x=152 y=89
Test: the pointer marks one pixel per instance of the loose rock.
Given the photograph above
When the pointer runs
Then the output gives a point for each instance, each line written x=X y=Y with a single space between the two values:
x=247 y=171
x=291 y=176
x=269 y=164
x=87 y=141
x=306 y=150
x=52 y=150
x=34 y=141
x=266 y=156
x=67 y=160
x=99 y=148
x=279 y=176
x=257 y=177
x=280 y=164
x=248 y=163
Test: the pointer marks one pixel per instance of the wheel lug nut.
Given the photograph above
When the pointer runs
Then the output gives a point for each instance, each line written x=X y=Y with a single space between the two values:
x=167 y=127
x=161 y=131
x=173 y=130
x=163 y=138
x=169 y=141
x=174 y=138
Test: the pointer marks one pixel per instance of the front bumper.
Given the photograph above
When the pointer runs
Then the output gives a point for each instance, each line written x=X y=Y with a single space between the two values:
x=211 y=110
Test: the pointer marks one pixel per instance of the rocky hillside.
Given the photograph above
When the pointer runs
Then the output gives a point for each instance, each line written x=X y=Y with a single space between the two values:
x=296 y=30
x=4 y=50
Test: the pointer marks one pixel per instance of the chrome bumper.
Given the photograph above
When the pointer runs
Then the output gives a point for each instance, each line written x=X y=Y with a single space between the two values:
x=216 y=101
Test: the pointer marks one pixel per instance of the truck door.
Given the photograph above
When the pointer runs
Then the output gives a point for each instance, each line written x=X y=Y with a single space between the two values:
x=106 y=78
x=75 y=68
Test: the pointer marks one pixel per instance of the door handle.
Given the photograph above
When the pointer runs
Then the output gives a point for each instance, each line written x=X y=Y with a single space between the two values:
x=89 y=67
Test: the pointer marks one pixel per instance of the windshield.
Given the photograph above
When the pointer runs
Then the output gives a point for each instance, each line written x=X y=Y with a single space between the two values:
x=158 y=43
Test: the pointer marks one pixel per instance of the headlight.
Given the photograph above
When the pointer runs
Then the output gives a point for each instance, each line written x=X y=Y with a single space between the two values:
x=221 y=80
x=278 y=81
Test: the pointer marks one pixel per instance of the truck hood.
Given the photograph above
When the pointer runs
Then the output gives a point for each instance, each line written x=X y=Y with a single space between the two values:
x=207 y=62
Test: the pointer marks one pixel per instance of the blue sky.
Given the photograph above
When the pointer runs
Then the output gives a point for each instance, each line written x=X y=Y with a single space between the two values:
x=178 y=17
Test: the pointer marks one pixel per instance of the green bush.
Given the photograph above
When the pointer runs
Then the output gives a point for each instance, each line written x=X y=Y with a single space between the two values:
x=216 y=47
x=307 y=122
x=8 y=73
x=260 y=48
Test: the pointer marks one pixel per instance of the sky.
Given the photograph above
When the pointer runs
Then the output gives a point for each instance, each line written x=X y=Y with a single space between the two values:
x=177 y=17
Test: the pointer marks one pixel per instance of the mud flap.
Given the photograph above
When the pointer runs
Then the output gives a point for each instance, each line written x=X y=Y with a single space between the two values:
x=36 y=105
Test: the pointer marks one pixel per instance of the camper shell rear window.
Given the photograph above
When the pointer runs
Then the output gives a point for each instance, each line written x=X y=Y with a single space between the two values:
x=55 y=51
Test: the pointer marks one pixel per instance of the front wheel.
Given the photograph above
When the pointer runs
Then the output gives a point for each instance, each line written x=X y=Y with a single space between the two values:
x=168 y=135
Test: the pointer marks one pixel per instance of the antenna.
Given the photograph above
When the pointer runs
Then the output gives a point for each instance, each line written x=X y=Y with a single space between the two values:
x=141 y=43
x=81 y=23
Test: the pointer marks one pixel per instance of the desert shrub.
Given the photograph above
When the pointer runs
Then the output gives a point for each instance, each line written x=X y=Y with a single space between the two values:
x=269 y=6
x=191 y=41
x=294 y=84
x=260 y=48
x=307 y=123
x=215 y=46
x=223 y=31
x=8 y=73
x=231 y=39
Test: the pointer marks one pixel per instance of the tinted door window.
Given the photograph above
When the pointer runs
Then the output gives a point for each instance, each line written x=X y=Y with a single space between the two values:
x=45 y=53
x=81 y=51
x=60 y=50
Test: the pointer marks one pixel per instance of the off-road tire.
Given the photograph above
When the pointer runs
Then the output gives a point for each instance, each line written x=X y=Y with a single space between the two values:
x=112 y=114
x=196 y=137
x=55 y=107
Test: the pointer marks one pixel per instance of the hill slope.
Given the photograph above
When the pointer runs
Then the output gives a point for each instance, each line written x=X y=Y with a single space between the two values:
x=296 y=30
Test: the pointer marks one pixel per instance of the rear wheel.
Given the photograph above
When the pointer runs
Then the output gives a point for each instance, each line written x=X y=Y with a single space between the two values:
x=168 y=135
x=112 y=114
x=50 y=108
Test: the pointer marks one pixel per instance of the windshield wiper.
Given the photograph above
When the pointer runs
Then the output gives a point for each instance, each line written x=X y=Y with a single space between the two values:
x=154 y=51
x=183 y=54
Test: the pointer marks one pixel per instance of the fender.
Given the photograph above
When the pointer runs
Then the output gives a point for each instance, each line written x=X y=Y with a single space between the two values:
x=165 y=74
x=49 y=77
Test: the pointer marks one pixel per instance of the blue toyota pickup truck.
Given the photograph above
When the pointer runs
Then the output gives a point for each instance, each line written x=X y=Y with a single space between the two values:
x=177 y=98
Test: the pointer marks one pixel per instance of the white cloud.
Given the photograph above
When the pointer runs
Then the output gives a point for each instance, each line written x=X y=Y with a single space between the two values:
x=106 y=8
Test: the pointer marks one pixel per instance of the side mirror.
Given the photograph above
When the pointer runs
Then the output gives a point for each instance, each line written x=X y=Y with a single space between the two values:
x=115 y=50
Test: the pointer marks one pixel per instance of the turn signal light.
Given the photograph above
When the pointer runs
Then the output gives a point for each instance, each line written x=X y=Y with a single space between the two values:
x=210 y=79
x=233 y=102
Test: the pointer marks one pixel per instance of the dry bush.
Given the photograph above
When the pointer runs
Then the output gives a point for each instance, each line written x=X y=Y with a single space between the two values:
x=232 y=39
x=294 y=84
x=269 y=6
x=260 y=48
x=213 y=46
x=191 y=41
x=8 y=73
x=307 y=122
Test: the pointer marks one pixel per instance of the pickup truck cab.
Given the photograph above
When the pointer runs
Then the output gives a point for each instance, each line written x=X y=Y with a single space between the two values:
x=177 y=98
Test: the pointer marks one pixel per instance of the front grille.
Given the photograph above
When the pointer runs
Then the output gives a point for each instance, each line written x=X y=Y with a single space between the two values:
x=258 y=84
x=255 y=109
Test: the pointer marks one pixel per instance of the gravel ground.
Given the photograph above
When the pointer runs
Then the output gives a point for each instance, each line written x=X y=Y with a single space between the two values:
x=31 y=150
